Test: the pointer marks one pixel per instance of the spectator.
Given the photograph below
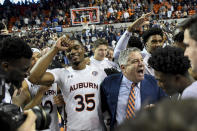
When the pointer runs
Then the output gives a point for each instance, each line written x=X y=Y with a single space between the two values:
x=126 y=15
x=100 y=51
x=153 y=38
x=189 y=26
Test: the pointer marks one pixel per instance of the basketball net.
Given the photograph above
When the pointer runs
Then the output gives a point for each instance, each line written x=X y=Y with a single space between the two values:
x=85 y=25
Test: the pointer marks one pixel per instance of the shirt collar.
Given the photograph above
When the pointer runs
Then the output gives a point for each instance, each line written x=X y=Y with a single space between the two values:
x=146 y=52
x=92 y=58
x=128 y=82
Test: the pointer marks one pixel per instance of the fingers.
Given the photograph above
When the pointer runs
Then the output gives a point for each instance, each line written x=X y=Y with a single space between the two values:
x=60 y=40
x=58 y=100
x=139 y=22
x=146 y=16
x=31 y=119
x=66 y=42
x=29 y=123
x=145 y=23
x=149 y=106
x=152 y=105
x=31 y=116
x=20 y=96
x=15 y=93
x=63 y=43
x=87 y=60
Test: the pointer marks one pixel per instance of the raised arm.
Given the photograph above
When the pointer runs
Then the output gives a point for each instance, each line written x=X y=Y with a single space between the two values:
x=38 y=74
x=123 y=41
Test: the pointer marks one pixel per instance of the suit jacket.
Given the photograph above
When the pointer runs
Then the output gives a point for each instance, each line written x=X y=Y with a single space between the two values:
x=150 y=93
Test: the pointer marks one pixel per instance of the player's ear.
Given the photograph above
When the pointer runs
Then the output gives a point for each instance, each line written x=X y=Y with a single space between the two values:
x=122 y=67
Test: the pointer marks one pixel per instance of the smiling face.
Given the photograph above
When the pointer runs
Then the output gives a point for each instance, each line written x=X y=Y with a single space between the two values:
x=75 y=53
x=134 y=69
x=100 y=52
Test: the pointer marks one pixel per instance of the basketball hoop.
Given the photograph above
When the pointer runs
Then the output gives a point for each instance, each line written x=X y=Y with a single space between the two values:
x=84 y=16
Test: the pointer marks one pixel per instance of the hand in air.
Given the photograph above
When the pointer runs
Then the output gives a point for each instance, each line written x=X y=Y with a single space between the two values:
x=63 y=43
x=143 y=20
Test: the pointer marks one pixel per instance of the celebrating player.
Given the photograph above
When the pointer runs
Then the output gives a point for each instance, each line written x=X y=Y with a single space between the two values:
x=80 y=85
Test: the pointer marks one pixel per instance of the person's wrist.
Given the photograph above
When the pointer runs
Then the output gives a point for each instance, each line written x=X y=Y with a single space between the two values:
x=130 y=29
x=55 y=48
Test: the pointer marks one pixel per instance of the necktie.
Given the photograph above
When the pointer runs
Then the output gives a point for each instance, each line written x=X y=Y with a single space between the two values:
x=131 y=103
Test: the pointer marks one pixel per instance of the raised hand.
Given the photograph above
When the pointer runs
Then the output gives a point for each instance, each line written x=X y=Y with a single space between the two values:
x=63 y=43
x=20 y=96
x=143 y=20
x=30 y=122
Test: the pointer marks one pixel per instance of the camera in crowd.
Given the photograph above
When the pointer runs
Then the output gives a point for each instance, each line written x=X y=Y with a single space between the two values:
x=12 y=111
x=14 y=117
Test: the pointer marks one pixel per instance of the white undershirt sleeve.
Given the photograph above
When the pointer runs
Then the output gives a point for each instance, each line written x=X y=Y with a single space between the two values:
x=122 y=44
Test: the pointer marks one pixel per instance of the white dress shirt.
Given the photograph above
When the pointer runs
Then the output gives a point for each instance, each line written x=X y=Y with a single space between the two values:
x=148 y=70
x=125 y=89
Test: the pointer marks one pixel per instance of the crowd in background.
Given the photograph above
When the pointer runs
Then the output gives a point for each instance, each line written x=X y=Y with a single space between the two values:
x=45 y=39
x=57 y=12
x=154 y=64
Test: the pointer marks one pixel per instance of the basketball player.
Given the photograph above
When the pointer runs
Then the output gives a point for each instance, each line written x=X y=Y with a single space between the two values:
x=44 y=95
x=80 y=85
x=41 y=95
x=100 y=51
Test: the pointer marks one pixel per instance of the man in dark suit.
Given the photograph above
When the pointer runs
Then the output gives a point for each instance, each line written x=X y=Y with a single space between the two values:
x=121 y=99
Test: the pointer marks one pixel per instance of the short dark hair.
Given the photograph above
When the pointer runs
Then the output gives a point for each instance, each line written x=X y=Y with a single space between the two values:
x=99 y=42
x=76 y=39
x=135 y=42
x=12 y=48
x=150 y=32
x=191 y=25
x=179 y=36
x=170 y=60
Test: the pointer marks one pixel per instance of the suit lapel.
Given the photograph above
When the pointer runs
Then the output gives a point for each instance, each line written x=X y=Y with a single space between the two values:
x=145 y=90
x=115 y=92
x=142 y=91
